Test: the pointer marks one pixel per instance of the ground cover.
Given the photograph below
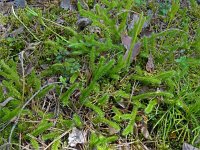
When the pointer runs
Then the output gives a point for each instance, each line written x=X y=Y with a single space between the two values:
x=100 y=75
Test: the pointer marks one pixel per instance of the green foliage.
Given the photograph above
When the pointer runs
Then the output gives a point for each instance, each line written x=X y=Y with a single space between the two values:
x=117 y=68
x=164 y=7
x=10 y=73
x=134 y=33
x=140 y=2
x=129 y=128
x=147 y=80
x=67 y=69
x=152 y=94
x=44 y=91
x=34 y=143
x=101 y=70
x=100 y=15
x=95 y=108
x=94 y=75
x=103 y=100
x=122 y=94
x=65 y=97
x=34 y=81
x=50 y=136
x=150 y=106
x=100 y=142
x=8 y=115
x=77 y=120
x=174 y=9
x=118 y=114
x=42 y=127
x=56 y=145
x=10 y=46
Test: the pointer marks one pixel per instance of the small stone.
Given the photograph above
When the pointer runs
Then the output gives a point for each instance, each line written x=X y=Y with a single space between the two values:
x=83 y=22
x=65 y=4
x=20 y=3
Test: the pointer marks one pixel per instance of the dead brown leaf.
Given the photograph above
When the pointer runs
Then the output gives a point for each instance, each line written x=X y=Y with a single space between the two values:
x=28 y=69
x=146 y=32
x=126 y=41
x=16 y=32
x=144 y=127
x=113 y=131
x=173 y=135
x=150 y=64
x=145 y=131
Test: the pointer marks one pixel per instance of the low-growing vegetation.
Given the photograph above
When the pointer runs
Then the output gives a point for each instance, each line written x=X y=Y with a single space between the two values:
x=117 y=74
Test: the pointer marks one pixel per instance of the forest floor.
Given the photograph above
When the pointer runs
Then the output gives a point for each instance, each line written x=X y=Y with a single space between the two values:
x=100 y=75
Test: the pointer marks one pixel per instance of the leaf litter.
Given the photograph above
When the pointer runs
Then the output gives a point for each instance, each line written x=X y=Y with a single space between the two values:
x=77 y=137
x=150 y=64
x=126 y=41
